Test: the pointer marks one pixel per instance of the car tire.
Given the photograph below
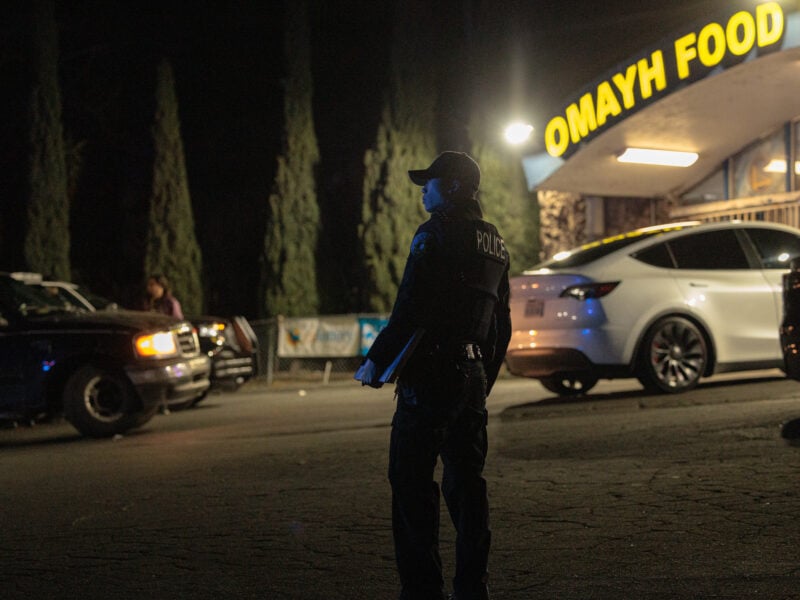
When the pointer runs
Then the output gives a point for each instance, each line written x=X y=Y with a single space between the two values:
x=100 y=403
x=569 y=384
x=673 y=356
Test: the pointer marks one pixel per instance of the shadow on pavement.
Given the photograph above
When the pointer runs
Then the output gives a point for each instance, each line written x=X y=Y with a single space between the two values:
x=790 y=431
x=45 y=435
x=637 y=395
x=28 y=441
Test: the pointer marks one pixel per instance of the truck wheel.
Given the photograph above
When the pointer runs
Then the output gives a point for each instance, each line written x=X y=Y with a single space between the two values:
x=99 y=403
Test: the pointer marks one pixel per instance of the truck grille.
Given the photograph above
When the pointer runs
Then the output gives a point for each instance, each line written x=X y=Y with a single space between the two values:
x=187 y=341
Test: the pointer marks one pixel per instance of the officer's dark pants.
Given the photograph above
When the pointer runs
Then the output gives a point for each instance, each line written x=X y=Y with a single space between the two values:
x=440 y=415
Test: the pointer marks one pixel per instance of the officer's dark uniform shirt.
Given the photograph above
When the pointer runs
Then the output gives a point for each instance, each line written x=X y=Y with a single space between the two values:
x=455 y=287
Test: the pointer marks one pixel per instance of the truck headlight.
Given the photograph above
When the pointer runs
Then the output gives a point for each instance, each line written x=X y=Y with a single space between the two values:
x=210 y=329
x=156 y=345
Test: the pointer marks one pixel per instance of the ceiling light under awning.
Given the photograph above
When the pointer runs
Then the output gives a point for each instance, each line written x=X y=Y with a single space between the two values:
x=665 y=158
x=777 y=165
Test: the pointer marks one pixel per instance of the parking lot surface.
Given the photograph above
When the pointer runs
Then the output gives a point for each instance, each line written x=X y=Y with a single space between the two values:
x=282 y=494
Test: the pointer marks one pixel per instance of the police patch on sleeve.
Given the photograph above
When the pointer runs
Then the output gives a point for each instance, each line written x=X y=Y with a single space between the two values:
x=491 y=245
x=421 y=244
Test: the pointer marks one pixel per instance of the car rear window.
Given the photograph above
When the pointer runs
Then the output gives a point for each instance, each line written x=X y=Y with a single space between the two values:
x=594 y=250
x=657 y=255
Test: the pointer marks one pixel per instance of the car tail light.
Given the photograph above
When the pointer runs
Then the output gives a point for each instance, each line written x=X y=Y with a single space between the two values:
x=588 y=291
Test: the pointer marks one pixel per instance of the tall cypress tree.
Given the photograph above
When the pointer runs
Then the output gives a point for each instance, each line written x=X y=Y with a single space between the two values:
x=171 y=246
x=47 y=239
x=292 y=232
x=504 y=196
x=508 y=204
x=406 y=140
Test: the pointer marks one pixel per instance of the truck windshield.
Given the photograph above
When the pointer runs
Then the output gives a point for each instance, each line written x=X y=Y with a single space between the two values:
x=17 y=297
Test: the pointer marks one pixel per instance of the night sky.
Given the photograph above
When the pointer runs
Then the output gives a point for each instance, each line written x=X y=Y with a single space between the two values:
x=228 y=63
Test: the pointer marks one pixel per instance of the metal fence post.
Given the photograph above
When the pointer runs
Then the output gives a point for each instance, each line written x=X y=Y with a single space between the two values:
x=272 y=342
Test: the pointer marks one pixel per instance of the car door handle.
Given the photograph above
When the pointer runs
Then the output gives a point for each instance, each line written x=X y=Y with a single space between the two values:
x=693 y=284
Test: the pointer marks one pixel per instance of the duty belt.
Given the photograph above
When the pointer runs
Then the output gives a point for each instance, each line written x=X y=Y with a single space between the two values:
x=468 y=351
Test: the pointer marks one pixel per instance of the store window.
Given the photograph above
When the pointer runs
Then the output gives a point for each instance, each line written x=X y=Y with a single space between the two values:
x=761 y=168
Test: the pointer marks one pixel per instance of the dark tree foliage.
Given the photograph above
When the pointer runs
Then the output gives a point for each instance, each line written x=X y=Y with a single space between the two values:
x=347 y=110
x=406 y=139
x=292 y=232
x=171 y=246
x=47 y=237
x=505 y=198
x=508 y=204
x=16 y=76
x=74 y=163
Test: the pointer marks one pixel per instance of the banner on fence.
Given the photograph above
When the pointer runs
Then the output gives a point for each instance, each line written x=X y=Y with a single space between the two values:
x=322 y=337
x=370 y=328
x=319 y=337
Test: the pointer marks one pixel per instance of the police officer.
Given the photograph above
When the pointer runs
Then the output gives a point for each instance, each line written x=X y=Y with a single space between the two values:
x=455 y=290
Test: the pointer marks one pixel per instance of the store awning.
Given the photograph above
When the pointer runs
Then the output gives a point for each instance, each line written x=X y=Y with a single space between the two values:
x=715 y=116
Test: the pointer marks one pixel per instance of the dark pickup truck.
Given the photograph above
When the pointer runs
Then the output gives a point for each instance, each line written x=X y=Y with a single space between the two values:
x=230 y=343
x=105 y=372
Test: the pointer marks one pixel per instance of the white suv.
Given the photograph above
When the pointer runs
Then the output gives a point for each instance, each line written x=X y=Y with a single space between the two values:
x=666 y=304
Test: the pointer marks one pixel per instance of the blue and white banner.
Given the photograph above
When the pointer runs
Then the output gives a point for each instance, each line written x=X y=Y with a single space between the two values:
x=370 y=328
x=319 y=337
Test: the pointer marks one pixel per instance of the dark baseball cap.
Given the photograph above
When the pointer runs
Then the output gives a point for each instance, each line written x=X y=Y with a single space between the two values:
x=455 y=165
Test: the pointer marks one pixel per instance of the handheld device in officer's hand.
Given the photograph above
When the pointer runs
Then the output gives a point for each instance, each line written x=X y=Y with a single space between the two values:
x=394 y=369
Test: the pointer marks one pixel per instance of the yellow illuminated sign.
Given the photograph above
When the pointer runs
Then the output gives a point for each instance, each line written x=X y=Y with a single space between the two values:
x=687 y=57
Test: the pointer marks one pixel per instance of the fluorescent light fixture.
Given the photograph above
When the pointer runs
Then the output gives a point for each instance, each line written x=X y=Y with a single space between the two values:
x=778 y=165
x=666 y=158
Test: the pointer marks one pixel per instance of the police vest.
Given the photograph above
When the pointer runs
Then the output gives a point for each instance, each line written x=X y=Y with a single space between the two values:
x=476 y=260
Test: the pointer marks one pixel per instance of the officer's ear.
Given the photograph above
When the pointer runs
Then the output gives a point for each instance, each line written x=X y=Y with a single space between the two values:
x=455 y=185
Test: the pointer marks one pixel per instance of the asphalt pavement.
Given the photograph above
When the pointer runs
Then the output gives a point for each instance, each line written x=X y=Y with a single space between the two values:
x=618 y=495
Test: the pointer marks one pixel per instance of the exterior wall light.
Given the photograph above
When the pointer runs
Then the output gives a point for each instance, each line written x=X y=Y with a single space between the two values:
x=665 y=158
x=518 y=133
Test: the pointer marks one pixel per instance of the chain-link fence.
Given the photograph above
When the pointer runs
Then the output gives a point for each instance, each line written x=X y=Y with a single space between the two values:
x=273 y=368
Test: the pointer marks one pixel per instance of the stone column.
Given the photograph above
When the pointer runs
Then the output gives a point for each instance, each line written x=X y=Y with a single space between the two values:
x=562 y=218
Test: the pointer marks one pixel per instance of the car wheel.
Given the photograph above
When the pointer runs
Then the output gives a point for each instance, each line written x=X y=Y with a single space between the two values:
x=673 y=356
x=569 y=384
x=99 y=403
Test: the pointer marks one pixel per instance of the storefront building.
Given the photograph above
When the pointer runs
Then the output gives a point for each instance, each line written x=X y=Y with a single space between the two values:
x=722 y=97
